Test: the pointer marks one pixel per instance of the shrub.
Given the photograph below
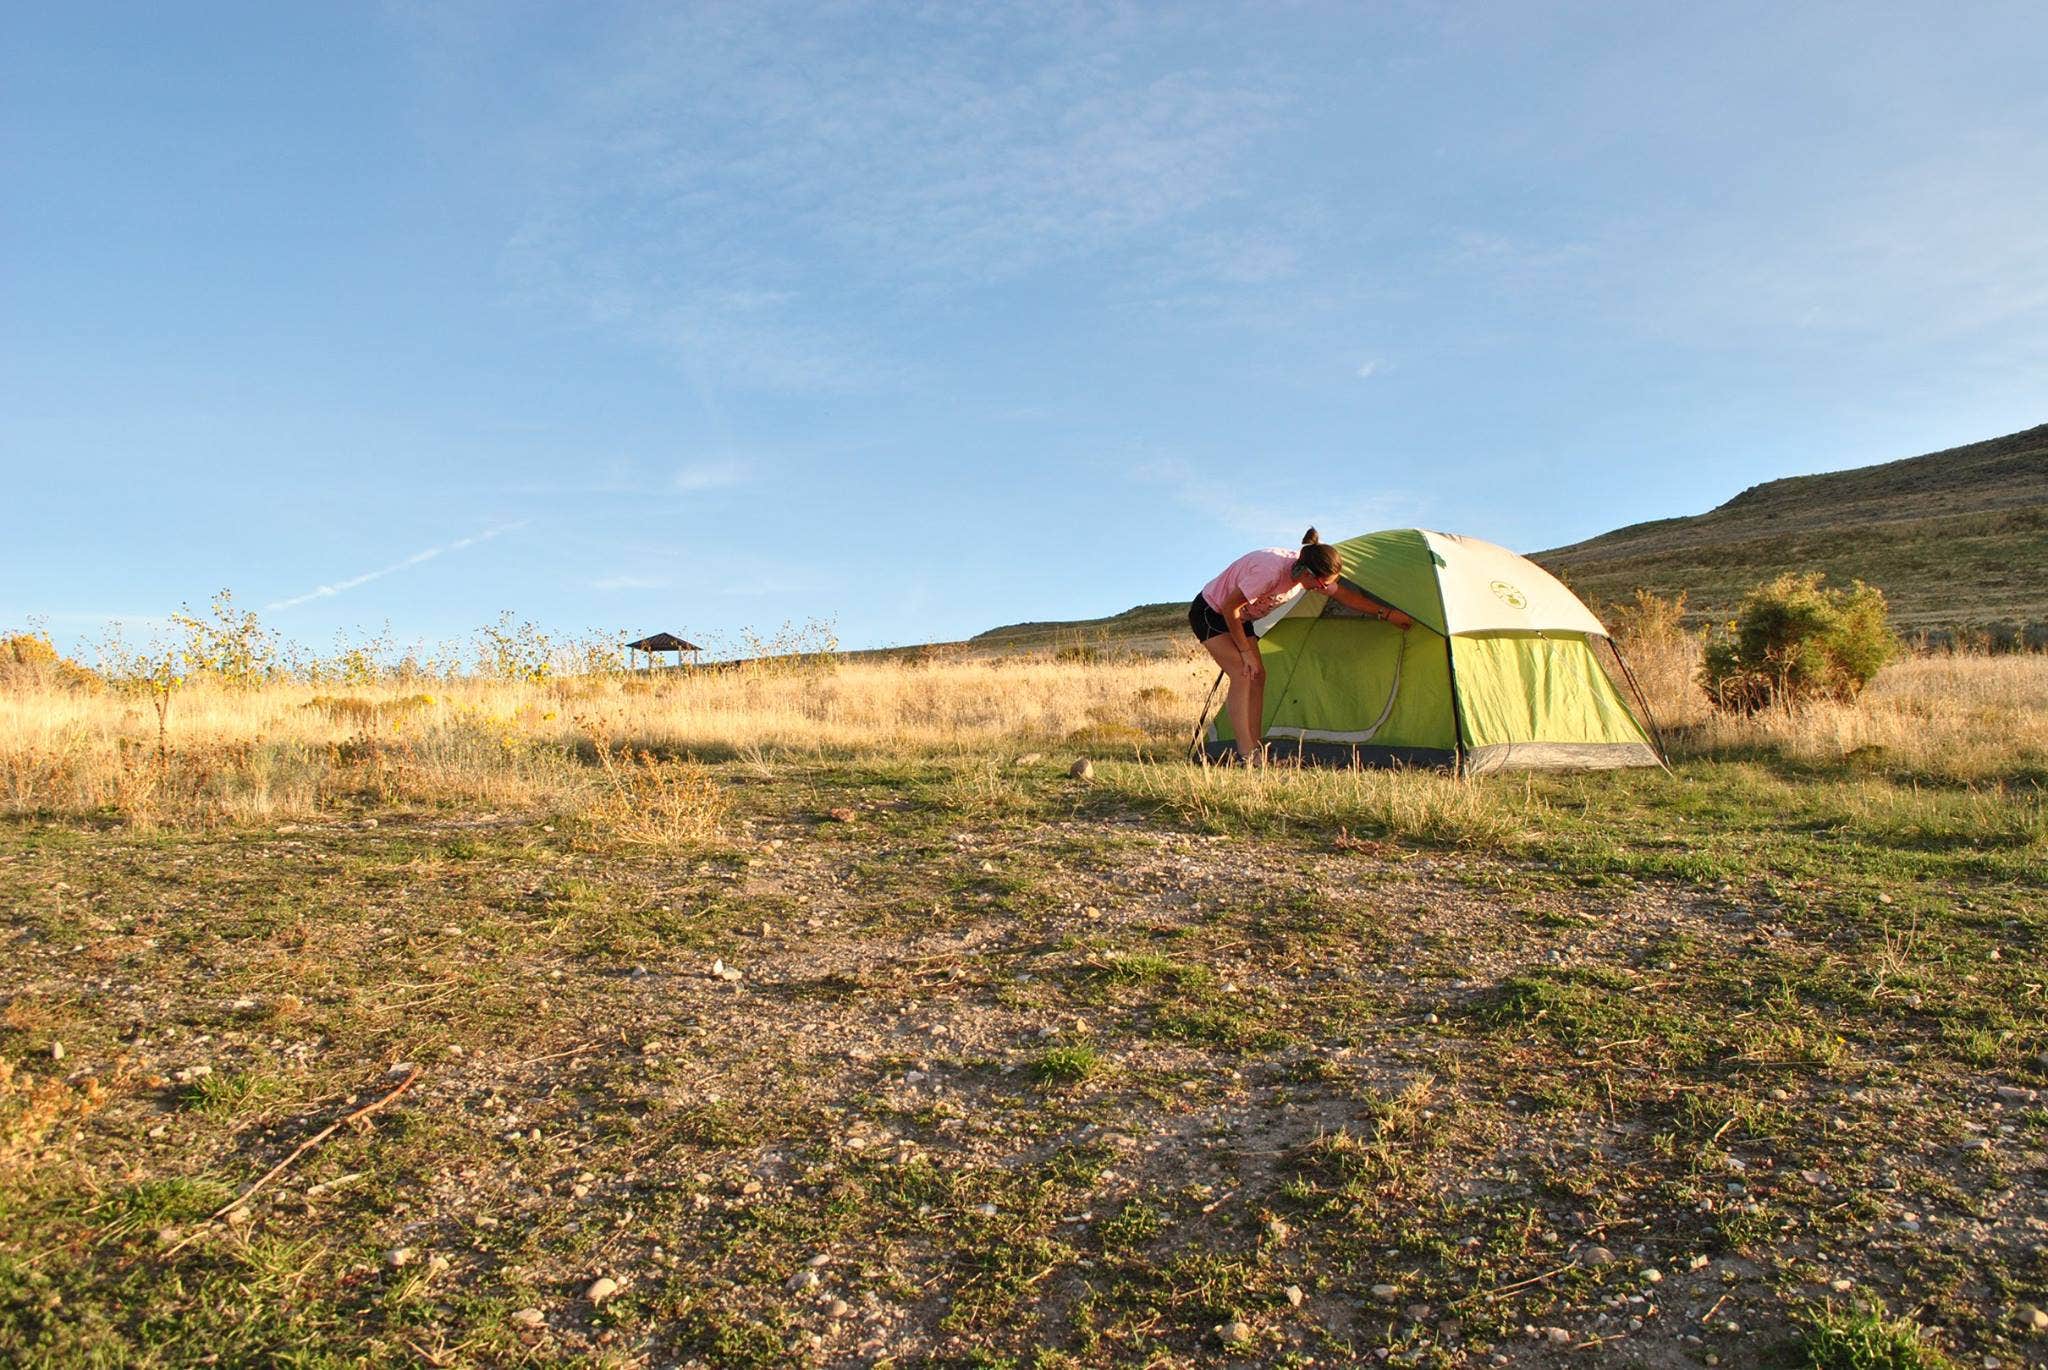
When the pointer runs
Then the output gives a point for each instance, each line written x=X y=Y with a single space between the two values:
x=1663 y=654
x=31 y=659
x=1794 y=640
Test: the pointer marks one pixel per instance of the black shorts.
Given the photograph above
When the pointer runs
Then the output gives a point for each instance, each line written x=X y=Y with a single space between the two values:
x=1207 y=623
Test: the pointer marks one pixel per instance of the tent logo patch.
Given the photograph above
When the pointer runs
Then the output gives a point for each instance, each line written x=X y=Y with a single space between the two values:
x=1509 y=595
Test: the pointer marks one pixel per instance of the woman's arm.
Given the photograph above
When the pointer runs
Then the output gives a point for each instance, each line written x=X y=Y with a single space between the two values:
x=1366 y=604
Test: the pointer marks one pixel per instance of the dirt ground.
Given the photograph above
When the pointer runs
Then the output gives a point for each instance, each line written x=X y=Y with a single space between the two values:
x=1064 y=1082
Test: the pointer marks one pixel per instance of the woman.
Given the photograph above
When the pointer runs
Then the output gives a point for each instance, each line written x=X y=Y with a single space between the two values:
x=1251 y=587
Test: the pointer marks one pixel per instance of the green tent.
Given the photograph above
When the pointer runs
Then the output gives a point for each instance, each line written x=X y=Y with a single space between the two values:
x=1499 y=671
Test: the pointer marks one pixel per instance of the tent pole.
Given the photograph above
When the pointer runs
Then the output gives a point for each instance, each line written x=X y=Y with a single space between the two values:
x=1457 y=722
x=1656 y=733
x=1195 y=750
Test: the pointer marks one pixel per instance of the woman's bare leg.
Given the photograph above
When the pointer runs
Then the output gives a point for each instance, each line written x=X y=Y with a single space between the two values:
x=1255 y=710
x=1244 y=721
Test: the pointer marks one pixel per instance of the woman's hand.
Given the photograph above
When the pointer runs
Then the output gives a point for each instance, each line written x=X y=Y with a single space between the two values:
x=1254 y=664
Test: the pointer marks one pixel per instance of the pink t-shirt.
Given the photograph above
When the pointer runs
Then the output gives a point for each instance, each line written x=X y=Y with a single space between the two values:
x=1265 y=578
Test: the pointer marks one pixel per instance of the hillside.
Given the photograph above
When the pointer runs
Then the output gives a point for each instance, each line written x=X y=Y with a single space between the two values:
x=1953 y=537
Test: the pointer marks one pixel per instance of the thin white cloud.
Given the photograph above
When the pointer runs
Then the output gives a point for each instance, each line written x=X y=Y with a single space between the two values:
x=1368 y=369
x=755 y=190
x=709 y=475
x=342 y=586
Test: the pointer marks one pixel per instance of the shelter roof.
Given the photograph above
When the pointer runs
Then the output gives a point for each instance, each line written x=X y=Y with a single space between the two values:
x=663 y=642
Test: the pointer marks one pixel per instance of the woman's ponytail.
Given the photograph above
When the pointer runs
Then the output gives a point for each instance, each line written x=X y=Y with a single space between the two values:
x=1317 y=557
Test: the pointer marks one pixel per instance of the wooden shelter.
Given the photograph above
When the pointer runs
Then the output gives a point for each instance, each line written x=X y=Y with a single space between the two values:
x=663 y=642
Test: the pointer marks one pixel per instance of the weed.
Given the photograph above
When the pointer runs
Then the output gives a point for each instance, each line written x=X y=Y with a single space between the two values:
x=1066 y=1065
x=1865 y=1339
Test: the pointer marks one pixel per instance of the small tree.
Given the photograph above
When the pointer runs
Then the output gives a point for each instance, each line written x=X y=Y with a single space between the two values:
x=230 y=645
x=1795 y=640
x=507 y=650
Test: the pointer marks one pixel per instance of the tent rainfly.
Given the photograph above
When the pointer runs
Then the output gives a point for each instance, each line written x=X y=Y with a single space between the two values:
x=664 y=642
x=1498 y=673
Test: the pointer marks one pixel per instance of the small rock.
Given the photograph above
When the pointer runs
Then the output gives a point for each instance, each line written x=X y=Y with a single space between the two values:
x=821 y=1259
x=805 y=1279
x=238 y=1216
x=437 y=1263
x=1596 y=1256
x=987 y=1210
x=1235 y=1333
x=1294 y=1295
x=1084 y=769
x=2033 y=1318
x=1385 y=1293
x=398 y=1257
x=56 y=1051
x=1417 y=1312
x=841 y=815
x=1277 y=1229
x=1557 y=1336
x=838 y=1308
x=601 y=1288
x=528 y=1317
x=1653 y=1276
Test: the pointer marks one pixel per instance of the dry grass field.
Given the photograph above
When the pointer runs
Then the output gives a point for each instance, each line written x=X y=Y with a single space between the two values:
x=817 y=1015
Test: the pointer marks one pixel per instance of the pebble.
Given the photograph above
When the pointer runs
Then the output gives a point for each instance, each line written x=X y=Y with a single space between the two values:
x=238 y=1216
x=56 y=1051
x=805 y=1279
x=721 y=971
x=398 y=1257
x=1558 y=1336
x=437 y=1263
x=1653 y=1276
x=2035 y=1318
x=1596 y=1255
x=1385 y=1292
x=528 y=1317
x=1294 y=1295
x=1235 y=1333
x=841 y=815
x=987 y=1210
x=838 y=1308
x=601 y=1288
x=1084 y=769
x=1417 y=1311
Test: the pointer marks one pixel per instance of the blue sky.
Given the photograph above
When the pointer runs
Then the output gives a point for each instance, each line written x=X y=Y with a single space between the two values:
x=929 y=318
